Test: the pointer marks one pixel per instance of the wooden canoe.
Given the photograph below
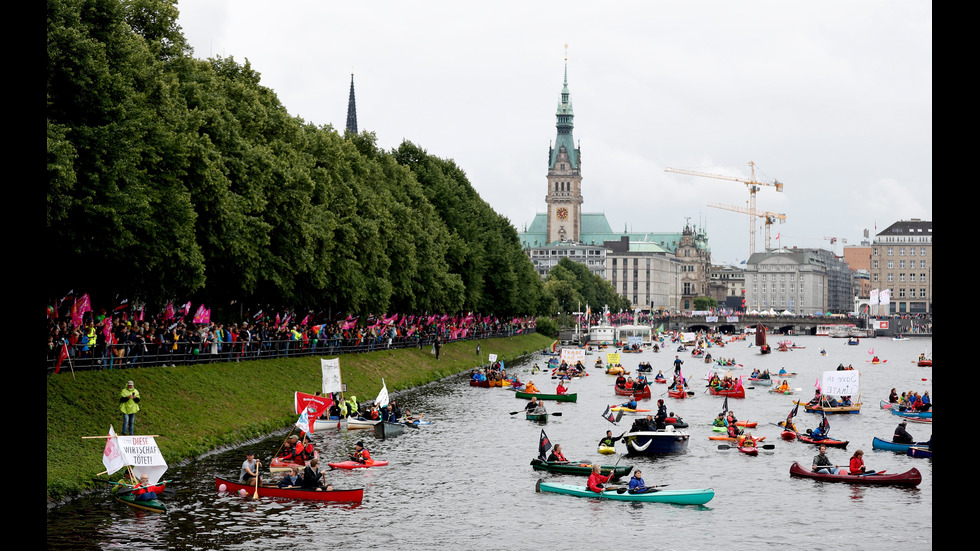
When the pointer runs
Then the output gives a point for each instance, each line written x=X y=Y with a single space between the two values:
x=269 y=490
x=911 y=477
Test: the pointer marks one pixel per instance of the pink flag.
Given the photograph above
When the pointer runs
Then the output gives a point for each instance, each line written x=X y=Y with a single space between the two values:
x=871 y=351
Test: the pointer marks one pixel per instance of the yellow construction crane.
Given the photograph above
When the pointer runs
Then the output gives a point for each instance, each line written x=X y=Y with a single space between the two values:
x=754 y=186
x=770 y=218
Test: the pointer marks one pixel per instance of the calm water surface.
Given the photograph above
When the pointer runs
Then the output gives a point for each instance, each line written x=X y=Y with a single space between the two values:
x=465 y=480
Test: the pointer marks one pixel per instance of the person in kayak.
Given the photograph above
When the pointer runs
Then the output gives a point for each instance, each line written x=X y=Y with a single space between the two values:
x=361 y=454
x=145 y=491
x=597 y=479
x=529 y=387
x=534 y=406
x=856 y=465
x=557 y=455
x=630 y=404
x=822 y=464
x=637 y=485
x=609 y=440
x=901 y=435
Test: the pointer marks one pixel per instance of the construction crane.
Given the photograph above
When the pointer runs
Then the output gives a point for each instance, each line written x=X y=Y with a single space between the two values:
x=754 y=186
x=833 y=242
x=770 y=218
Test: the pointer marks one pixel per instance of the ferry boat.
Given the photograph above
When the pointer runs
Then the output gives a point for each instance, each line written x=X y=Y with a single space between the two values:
x=644 y=332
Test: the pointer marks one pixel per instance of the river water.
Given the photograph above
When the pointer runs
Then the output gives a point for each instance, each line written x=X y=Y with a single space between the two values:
x=465 y=480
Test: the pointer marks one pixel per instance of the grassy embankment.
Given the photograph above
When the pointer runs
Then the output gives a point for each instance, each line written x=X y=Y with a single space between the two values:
x=198 y=408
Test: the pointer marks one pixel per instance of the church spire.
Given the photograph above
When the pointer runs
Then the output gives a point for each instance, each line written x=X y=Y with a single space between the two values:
x=564 y=124
x=351 y=109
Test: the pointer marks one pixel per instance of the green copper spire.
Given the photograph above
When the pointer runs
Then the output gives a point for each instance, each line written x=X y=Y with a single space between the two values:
x=564 y=124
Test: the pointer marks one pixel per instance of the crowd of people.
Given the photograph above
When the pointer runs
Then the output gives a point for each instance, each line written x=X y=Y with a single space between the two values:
x=121 y=339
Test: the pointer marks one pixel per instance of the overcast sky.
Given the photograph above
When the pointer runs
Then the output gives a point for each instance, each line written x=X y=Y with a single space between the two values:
x=833 y=99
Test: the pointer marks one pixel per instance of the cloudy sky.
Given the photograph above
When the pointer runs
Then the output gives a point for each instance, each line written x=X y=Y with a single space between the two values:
x=833 y=99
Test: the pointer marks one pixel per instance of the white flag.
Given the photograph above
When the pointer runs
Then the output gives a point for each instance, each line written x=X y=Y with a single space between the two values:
x=873 y=297
x=112 y=456
x=331 y=375
x=885 y=296
x=382 y=399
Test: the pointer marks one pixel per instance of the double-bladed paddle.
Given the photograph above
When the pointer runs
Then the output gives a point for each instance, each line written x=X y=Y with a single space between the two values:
x=765 y=447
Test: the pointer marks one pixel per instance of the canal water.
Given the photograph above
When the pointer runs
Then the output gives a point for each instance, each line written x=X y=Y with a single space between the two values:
x=466 y=480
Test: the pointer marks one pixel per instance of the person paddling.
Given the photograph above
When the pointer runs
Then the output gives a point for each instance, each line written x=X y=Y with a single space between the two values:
x=637 y=485
x=597 y=479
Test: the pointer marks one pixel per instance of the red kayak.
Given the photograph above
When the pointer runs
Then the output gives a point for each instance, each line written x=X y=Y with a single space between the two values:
x=645 y=393
x=731 y=392
x=829 y=442
x=911 y=477
x=749 y=450
x=357 y=465
x=787 y=435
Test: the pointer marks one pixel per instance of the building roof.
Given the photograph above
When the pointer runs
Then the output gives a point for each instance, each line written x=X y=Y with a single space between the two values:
x=596 y=231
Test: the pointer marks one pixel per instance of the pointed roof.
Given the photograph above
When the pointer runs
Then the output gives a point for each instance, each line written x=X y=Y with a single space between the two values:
x=564 y=125
x=351 y=109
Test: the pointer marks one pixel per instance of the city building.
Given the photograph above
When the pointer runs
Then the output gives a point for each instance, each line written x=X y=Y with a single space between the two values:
x=654 y=270
x=901 y=262
x=799 y=281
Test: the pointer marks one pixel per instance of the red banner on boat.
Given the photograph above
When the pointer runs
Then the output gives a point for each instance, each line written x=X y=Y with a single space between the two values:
x=312 y=404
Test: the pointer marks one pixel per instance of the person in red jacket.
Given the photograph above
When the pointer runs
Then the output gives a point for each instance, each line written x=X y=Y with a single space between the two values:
x=597 y=479
x=145 y=491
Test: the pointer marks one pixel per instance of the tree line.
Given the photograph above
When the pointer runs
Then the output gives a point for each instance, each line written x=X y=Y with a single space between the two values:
x=173 y=177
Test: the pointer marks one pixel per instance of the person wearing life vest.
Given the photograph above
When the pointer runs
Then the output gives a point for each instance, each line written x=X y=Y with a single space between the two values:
x=307 y=454
x=557 y=455
x=361 y=454
x=145 y=491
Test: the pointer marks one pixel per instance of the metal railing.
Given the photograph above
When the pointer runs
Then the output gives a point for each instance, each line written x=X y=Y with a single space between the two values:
x=134 y=355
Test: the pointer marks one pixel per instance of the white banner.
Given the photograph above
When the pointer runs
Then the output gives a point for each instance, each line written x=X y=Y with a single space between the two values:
x=634 y=340
x=571 y=356
x=841 y=383
x=885 y=297
x=140 y=452
x=331 y=375
x=873 y=297
x=382 y=400
x=492 y=357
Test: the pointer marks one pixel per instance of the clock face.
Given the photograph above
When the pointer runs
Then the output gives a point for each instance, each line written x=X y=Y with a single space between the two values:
x=561 y=213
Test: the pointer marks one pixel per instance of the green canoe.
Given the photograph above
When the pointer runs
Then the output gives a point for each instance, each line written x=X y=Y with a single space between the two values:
x=541 y=396
x=583 y=468
x=154 y=505
x=679 y=497
x=540 y=417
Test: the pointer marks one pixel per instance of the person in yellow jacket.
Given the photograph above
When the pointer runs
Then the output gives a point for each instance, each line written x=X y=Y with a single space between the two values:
x=129 y=404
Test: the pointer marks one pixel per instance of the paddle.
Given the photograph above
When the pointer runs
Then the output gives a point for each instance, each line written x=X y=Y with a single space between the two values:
x=764 y=446
x=647 y=489
x=256 y=494
x=555 y=414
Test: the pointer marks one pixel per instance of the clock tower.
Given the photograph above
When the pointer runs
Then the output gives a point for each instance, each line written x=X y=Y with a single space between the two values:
x=564 y=196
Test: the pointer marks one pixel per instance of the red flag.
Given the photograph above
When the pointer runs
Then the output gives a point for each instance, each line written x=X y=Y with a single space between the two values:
x=61 y=357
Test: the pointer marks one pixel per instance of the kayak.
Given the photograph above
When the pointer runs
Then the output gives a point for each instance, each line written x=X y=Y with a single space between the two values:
x=853 y=408
x=628 y=410
x=678 y=393
x=911 y=414
x=679 y=497
x=886 y=405
x=761 y=382
x=269 y=490
x=129 y=498
x=911 y=477
x=607 y=450
x=787 y=435
x=387 y=429
x=731 y=393
x=924 y=363
x=541 y=396
x=540 y=417
x=645 y=393
x=481 y=384
x=749 y=450
x=829 y=442
x=747 y=424
x=881 y=444
x=733 y=438
x=583 y=468
x=357 y=464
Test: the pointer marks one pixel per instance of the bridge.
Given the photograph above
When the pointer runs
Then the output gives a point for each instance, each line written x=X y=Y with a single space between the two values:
x=775 y=325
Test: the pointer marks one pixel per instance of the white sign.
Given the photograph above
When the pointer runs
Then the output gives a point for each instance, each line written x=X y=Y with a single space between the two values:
x=638 y=341
x=493 y=358
x=139 y=452
x=331 y=376
x=571 y=356
x=841 y=383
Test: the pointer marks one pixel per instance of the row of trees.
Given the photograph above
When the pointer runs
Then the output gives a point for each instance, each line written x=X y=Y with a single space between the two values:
x=171 y=177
